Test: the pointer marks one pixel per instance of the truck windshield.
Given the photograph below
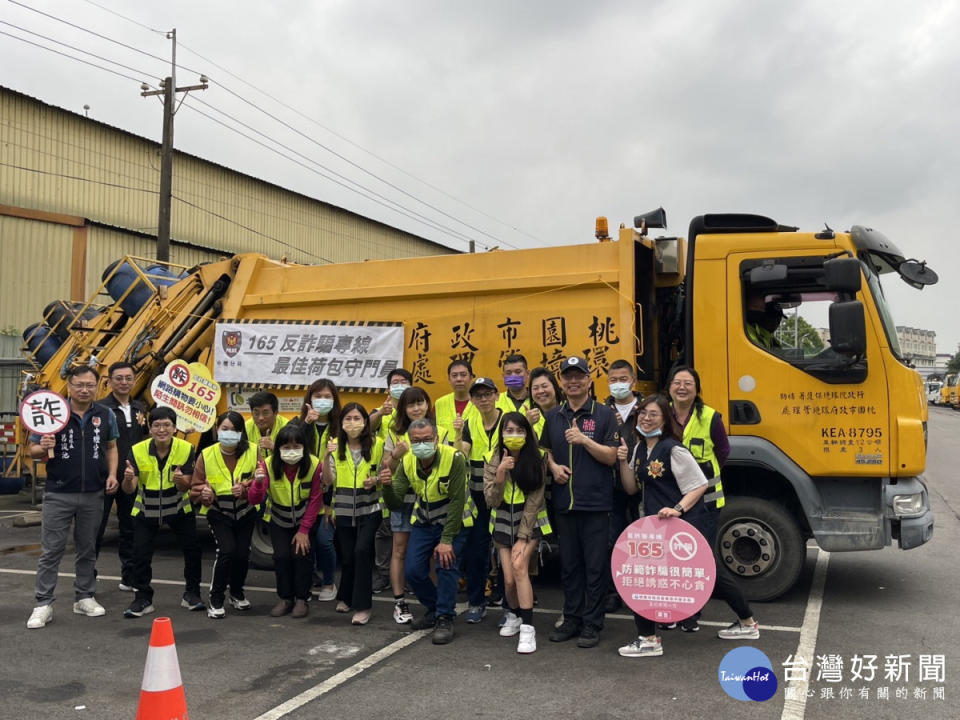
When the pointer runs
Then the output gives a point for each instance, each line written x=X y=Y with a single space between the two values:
x=876 y=289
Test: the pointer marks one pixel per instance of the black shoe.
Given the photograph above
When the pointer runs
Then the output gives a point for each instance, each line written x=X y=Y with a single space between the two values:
x=690 y=625
x=428 y=621
x=380 y=584
x=138 y=608
x=443 y=632
x=567 y=630
x=191 y=601
x=612 y=603
x=589 y=637
x=667 y=626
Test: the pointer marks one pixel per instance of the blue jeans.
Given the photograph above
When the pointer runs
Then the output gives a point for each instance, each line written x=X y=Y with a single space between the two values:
x=442 y=597
x=476 y=555
x=324 y=552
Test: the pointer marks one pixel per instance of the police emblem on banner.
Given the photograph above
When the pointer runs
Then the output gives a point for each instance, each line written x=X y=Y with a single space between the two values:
x=231 y=343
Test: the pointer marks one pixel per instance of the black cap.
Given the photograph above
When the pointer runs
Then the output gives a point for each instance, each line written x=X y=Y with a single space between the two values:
x=575 y=363
x=483 y=382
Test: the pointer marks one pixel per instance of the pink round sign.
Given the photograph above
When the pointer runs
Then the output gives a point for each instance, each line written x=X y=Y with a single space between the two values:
x=663 y=569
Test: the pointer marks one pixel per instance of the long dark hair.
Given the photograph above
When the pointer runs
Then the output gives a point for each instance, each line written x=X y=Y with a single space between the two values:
x=236 y=419
x=527 y=473
x=291 y=433
x=366 y=437
x=540 y=372
x=323 y=384
x=670 y=426
x=697 y=400
x=401 y=423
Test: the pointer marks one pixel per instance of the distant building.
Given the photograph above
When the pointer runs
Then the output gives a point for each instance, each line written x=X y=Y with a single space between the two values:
x=919 y=348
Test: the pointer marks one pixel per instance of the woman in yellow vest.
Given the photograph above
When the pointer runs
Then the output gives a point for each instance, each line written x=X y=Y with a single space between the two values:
x=221 y=478
x=414 y=404
x=358 y=508
x=291 y=483
x=513 y=485
x=320 y=419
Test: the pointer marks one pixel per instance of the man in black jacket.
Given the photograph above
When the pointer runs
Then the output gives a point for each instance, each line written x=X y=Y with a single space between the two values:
x=132 y=425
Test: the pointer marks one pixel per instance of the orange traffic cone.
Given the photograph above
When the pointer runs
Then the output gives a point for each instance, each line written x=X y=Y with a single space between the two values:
x=161 y=692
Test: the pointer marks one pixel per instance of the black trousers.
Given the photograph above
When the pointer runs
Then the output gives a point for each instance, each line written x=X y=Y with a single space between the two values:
x=584 y=565
x=184 y=525
x=294 y=572
x=233 y=553
x=124 y=503
x=356 y=560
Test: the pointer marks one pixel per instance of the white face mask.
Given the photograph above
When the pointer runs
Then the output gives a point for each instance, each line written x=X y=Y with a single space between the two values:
x=290 y=456
x=653 y=433
x=322 y=405
x=229 y=438
x=620 y=390
x=397 y=390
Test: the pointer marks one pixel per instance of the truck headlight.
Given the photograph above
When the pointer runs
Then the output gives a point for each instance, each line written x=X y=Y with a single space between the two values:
x=908 y=504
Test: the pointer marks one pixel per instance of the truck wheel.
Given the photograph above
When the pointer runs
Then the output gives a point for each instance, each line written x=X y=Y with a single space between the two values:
x=760 y=543
x=261 y=549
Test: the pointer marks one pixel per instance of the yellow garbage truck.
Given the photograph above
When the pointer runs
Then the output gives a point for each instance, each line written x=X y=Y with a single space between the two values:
x=827 y=440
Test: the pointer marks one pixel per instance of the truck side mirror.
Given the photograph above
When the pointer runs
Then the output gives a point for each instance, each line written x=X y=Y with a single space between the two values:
x=842 y=274
x=848 y=331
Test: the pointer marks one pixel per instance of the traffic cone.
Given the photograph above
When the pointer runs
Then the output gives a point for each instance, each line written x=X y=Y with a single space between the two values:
x=161 y=692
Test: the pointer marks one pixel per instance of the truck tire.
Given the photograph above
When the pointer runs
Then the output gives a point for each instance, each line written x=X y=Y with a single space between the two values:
x=261 y=549
x=760 y=543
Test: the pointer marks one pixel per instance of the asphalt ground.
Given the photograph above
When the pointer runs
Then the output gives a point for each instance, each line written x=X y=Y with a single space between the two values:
x=248 y=665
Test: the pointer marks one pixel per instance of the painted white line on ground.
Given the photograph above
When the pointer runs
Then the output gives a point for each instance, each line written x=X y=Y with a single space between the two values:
x=795 y=707
x=341 y=677
x=384 y=599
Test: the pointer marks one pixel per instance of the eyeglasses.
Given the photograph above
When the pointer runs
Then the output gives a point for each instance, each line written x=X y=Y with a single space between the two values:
x=84 y=386
x=683 y=383
x=167 y=425
x=484 y=395
x=652 y=414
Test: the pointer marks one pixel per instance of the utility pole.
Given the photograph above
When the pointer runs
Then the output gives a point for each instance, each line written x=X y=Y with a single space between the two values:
x=169 y=90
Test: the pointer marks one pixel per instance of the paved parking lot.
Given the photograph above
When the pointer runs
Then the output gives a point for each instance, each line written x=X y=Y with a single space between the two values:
x=897 y=606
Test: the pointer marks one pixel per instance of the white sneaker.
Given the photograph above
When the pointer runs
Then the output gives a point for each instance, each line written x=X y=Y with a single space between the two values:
x=558 y=622
x=327 y=593
x=642 y=647
x=512 y=625
x=239 y=603
x=528 y=640
x=216 y=612
x=401 y=613
x=89 y=607
x=126 y=588
x=739 y=631
x=41 y=615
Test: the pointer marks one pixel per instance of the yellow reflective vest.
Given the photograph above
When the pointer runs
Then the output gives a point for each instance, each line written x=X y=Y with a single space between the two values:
x=157 y=495
x=221 y=481
x=445 y=410
x=696 y=437
x=286 y=501
x=433 y=498
x=253 y=434
x=350 y=499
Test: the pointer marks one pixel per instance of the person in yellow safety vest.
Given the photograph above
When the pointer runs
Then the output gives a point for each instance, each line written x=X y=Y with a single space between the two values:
x=159 y=470
x=513 y=485
x=545 y=394
x=454 y=408
x=320 y=419
x=437 y=473
x=221 y=479
x=516 y=398
x=480 y=435
x=291 y=483
x=351 y=470
x=706 y=439
x=263 y=427
x=762 y=320
x=414 y=404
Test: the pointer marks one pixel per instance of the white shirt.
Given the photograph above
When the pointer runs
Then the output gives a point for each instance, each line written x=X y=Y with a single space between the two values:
x=624 y=410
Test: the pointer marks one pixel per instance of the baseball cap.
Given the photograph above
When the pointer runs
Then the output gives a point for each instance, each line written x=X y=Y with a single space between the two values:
x=575 y=363
x=483 y=382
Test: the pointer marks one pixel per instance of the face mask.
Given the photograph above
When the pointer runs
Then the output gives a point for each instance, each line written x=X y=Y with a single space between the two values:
x=229 y=438
x=423 y=450
x=322 y=405
x=291 y=457
x=653 y=433
x=513 y=381
x=620 y=390
x=353 y=429
x=397 y=390
x=514 y=442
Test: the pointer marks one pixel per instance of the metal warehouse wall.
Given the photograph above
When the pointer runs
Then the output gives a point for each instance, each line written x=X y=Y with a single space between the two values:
x=61 y=162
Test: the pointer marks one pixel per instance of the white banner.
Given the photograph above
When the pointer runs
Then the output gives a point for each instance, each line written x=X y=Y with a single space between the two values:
x=352 y=356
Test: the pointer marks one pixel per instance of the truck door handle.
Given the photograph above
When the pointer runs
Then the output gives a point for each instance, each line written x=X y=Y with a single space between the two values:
x=744 y=412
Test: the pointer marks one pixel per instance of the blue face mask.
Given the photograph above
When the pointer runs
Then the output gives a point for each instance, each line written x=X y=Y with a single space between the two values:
x=653 y=433
x=322 y=405
x=423 y=450
x=229 y=438
x=397 y=390
x=513 y=381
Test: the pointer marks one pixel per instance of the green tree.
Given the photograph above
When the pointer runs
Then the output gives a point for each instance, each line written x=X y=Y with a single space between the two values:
x=800 y=334
x=954 y=364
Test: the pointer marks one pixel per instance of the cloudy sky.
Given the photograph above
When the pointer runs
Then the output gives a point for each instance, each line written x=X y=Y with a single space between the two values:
x=516 y=123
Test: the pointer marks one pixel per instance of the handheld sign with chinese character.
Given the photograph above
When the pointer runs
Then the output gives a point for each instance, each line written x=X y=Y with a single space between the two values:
x=190 y=392
x=44 y=412
x=663 y=569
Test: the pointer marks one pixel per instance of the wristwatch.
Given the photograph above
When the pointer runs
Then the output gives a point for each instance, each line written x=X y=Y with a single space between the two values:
x=679 y=508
